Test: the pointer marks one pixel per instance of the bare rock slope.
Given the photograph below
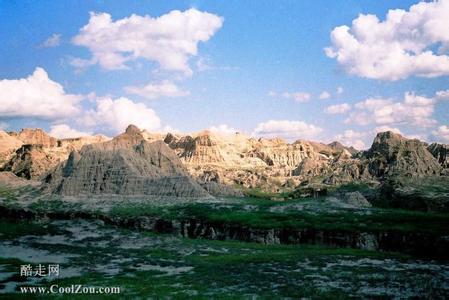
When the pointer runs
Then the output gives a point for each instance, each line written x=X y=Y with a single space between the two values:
x=126 y=165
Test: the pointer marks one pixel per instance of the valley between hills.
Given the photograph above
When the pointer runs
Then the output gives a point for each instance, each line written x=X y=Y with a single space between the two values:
x=191 y=212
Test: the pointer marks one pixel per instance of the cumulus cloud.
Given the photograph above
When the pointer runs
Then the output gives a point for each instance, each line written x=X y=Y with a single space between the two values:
x=324 y=95
x=62 y=131
x=406 y=43
x=170 y=40
x=442 y=133
x=36 y=96
x=155 y=90
x=412 y=110
x=223 y=129
x=290 y=130
x=338 y=108
x=117 y=114
x=53 y=41
x=297 y=96
x=353 y=138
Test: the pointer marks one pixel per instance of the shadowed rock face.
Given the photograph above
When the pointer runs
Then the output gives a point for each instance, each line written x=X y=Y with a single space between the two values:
x=36 y=153
x=392 y=154
x=126 y=165
x=30 y=161
x=441 y=153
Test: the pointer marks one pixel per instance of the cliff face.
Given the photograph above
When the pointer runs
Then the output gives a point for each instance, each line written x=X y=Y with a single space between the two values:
x=441 y=153
x=127 y=165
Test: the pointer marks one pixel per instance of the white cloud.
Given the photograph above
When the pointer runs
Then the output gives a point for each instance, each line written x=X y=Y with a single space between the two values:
x=290 y=130
x=340 y=90
x=412 y=110
x=297 y=96
x=223 y=129
x=406 y=43
x=442 y=95
x=80 y=63
x=384 y=128
x=36 y=96
x=53 y=41
x=442 y=133
x=117 y=114
x=155 y=90
x=338 y=108
x=324 y=95
x=353 y=138
x=62 y=131
x=170 y=40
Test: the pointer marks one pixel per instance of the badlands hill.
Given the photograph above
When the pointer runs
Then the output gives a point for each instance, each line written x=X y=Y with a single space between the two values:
x=139 y=162
x=126 y=165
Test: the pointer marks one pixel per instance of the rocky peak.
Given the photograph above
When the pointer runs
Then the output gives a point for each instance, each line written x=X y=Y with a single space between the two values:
x=392 y=154
x=339 y=147
x=132 y=130
x=170 y=138
x=131 y=137
x=37 y=137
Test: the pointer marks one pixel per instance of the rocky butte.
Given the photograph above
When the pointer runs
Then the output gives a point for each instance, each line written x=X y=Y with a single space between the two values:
x=126 y=165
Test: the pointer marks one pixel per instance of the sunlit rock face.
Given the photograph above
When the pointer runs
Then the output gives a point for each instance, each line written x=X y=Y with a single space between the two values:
x=8 y=145
x=33 y=153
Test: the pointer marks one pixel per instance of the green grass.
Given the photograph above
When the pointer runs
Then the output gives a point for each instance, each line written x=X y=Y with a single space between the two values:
x=8 y=195
x=345 y=220
x=12 y=228
x=233 y=270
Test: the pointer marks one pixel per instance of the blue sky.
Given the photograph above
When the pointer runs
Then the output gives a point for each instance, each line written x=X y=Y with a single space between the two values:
x=263 y=61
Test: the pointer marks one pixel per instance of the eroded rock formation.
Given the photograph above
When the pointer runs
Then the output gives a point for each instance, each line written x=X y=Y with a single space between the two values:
x=33 y=152
x=220 y=163
x=127 y=165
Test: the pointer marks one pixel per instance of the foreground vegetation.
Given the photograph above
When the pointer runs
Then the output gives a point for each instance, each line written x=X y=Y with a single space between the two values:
x=145 y=264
